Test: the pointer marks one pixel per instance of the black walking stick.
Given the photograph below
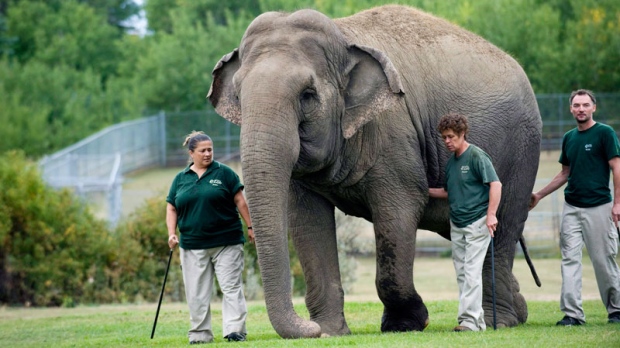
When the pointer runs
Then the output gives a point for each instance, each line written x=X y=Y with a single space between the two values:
x=163 y=286
x=493 y=282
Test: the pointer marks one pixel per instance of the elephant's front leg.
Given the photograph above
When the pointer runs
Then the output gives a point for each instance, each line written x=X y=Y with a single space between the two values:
x=395 y=231
x=313 y=230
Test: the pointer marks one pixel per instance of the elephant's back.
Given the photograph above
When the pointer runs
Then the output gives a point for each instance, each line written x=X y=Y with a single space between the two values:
x=430 y=51
x=394 y=27
x=445 y=68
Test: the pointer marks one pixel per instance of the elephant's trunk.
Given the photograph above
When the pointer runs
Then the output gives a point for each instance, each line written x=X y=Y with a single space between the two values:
x=268 y=156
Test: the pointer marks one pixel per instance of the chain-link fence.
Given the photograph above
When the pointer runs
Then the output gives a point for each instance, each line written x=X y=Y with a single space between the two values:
x=96 y=165
x=557 y=119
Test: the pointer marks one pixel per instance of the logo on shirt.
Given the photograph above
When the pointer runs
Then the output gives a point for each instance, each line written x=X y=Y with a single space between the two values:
x=215 y=182
x=464 y=169
x=588 y=147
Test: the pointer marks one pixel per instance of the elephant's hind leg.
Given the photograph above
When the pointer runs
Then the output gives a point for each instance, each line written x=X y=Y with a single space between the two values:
x=511 y=307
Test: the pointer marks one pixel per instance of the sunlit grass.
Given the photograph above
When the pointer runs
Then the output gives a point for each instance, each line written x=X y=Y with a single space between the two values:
x=129 y=326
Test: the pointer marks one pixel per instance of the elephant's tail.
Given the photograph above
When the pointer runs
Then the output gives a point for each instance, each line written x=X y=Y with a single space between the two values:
x=529 y=260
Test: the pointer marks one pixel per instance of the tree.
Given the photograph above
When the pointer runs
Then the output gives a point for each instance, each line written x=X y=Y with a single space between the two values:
x=6 y=41
x=72 y=35
x=593 y=44
x=175 y=69
x=64 y=79
x=118 y=12
x=527 y=31
x=160 y=13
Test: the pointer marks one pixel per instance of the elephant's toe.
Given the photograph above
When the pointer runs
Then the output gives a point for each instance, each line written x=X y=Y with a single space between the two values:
x=520 y=307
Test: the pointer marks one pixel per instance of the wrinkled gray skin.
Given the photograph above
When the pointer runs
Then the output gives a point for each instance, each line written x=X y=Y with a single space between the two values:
x=343 y=113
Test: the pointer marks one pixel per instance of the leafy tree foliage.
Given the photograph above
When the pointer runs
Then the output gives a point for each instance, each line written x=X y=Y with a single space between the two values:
x=593 y=40
x=72 y=35
x=54 y=53
x=63 y=83
x=161 y=12
x=118 y=12
x=5 y=40
x=175 y=69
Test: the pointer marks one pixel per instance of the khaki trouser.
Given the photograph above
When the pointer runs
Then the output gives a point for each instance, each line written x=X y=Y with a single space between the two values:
x=469 y=247
x=199 y=268
x=593 y=227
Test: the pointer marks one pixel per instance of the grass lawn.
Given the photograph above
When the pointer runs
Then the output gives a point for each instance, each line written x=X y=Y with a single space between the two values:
x=130 y=326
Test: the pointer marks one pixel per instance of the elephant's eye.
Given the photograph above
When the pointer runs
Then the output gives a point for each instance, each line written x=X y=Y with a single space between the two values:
x=308 y=100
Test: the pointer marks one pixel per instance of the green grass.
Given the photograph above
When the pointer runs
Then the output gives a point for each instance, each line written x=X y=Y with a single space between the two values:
x=130 y=326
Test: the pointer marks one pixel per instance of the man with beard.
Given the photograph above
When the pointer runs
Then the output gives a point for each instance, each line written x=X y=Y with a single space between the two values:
x=589 y=215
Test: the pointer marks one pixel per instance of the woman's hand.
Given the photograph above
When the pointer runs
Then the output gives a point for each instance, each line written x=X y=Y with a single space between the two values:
x=173 y=241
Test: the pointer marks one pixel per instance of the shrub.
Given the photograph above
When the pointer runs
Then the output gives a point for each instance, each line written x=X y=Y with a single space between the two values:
x=142 y=256
x=53 y=251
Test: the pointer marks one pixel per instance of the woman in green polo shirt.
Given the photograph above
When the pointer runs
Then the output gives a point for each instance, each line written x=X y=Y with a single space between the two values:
x=204 y=203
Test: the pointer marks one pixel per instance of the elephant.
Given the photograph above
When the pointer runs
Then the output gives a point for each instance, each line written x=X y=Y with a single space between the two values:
x=342 y=113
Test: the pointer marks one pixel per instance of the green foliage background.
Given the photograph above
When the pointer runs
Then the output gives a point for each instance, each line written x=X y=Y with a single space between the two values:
x=70 y=68
x=53 y=251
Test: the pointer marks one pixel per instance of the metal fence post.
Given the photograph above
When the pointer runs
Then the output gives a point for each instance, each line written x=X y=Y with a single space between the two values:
x=560 y=118
x=228 y=136
x=163 y=140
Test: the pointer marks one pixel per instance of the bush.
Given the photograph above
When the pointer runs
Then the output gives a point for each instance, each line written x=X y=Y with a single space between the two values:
x=143 y=255
x=53 y=251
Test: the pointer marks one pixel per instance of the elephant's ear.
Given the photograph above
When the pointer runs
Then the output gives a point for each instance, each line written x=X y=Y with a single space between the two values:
x=222 y=93
x=374 y=86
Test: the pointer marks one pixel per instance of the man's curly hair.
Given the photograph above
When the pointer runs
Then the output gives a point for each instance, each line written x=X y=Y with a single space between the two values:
x=455 y=122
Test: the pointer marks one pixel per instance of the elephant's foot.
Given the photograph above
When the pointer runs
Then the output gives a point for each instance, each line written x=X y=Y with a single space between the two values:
x=520 y=307
x=502 y=320
x=506 y=316
x=399 y=320
x=336 y=327
x=295 y=327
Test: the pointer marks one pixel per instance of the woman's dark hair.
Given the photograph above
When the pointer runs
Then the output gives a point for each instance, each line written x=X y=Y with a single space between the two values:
x=193 y=138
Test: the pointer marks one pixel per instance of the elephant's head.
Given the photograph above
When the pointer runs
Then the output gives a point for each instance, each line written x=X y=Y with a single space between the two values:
x=300 y=91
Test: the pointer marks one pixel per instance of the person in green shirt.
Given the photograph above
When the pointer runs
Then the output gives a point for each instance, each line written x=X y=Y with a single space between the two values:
x=473 y=191
x=204 y=203
x=589 y=214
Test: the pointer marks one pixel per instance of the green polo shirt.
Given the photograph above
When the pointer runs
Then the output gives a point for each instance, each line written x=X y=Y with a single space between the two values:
x=587 y=154
x=467 y=182
x=207 y=216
